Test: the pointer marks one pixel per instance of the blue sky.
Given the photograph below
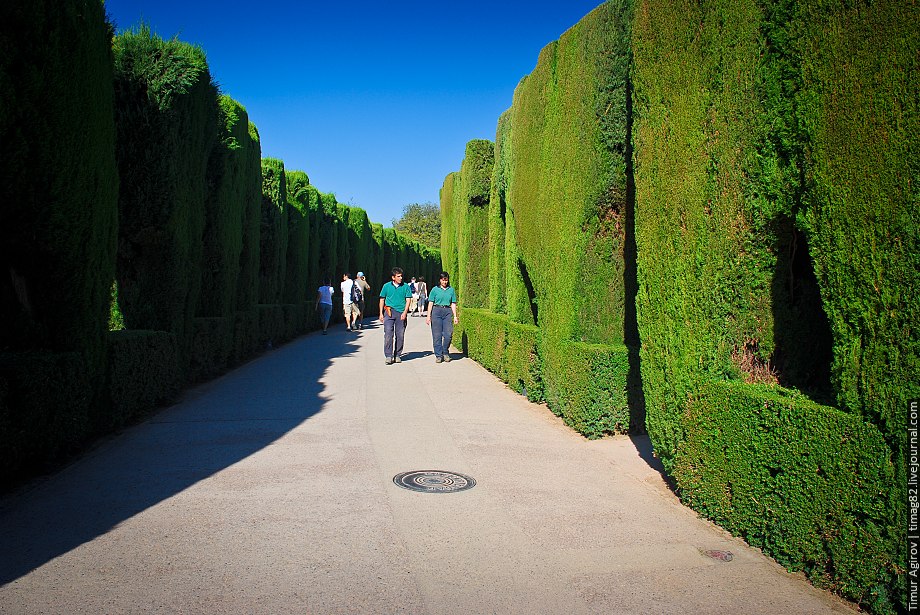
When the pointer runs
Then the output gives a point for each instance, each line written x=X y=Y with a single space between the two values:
x=375 y=101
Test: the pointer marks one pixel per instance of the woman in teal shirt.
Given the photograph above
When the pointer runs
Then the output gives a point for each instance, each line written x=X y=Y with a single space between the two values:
x=442 y=304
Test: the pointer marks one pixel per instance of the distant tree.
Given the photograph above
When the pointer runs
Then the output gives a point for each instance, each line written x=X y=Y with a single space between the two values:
x=421 y=222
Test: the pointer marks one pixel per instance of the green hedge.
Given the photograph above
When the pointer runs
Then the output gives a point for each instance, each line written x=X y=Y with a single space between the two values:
x=166 y=113
x=274 y=232
x=810 y=485
x=448 y=195
x=58 y=179
x=482 y=336
x=509 y=350
x=585 y=384
x=248 y=287
x=568 y=189
x=472 y=211
x=245 y=336
x=298 y=249
x=225 y=205
x=144 y=372
x=45 y=409
x=212 y=345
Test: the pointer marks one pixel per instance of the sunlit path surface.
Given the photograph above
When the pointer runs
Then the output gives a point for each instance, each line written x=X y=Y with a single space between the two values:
x=271 y=490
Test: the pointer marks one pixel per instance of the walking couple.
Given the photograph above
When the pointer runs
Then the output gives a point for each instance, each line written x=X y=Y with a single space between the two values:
x=395 y=299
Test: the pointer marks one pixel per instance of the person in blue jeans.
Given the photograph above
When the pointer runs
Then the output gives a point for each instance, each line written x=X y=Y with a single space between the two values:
x=394 y=307
x=442 y=316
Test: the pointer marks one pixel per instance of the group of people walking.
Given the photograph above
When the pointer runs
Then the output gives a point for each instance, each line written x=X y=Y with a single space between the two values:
x=398 y=300
x=353 y=302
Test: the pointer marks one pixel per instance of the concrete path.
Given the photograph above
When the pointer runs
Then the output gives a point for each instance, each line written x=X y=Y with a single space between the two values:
x=270 y=490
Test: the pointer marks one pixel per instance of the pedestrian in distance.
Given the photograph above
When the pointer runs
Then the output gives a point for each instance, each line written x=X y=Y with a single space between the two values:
x=414 y=303
x=348 y=305
x=364 y=289
x=442 y=316
x=422 y=289
x=394 y=307
x=324 y=303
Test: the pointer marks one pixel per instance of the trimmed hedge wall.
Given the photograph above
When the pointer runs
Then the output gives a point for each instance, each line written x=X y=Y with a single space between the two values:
x=509 y=350
x=46 y=409
x=808 y=484
x=167 y=115
x=298 y=248
x=225 y=205
x=274 y=232
x=144 y=372
x=58 y=182
x=473 y=223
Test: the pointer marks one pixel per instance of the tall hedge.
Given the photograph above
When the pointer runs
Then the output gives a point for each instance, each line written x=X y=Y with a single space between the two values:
x=771 y=144
x=167 y=115
x=473 y=222
x=273 y=232
x=224 y=214
x=298 y=249
x=449 y=192
x=58 y=179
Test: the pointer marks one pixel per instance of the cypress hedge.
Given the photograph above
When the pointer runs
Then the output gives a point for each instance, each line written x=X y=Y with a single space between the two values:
x=225 y=204
x=273 y=240
x=298 y=249
x=59 y=190
x=473 y=222
x=166 y=114
x=809 y=484
x=773 y=239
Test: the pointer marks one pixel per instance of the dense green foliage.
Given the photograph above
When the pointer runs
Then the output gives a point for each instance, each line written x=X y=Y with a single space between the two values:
x=809 y=484
x=273 y=232
x=421 y=222
x=225 y=205
x=166 y=114
x=144 y=372
x=298 y=248
x=58 y=218
x=472 y=214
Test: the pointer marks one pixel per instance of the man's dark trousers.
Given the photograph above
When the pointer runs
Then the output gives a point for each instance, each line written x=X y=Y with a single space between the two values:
x=393 y=327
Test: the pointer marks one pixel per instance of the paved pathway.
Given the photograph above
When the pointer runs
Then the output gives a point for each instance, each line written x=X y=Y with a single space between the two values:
x=270 y=490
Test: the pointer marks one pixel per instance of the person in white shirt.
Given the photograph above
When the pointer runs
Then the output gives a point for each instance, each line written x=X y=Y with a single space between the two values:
x=324 y=303
x=348 y=306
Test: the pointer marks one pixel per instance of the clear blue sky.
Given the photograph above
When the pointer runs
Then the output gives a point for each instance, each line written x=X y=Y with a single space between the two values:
x=375 y=101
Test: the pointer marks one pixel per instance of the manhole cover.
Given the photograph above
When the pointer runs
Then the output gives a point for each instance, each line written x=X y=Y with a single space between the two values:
x=434 y=481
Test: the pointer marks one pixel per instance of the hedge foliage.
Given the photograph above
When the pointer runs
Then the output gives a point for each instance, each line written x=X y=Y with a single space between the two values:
x=547 y=250
x=58 y=179
x=166 y=114
x=131 y=134
x=707 y=210
x=808 y=484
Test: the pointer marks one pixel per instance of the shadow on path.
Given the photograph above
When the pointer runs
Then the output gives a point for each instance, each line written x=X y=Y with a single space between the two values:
x=213 y=427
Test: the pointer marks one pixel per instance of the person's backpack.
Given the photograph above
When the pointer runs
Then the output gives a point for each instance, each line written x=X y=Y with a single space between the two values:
x=412 y=287
x=356 y=294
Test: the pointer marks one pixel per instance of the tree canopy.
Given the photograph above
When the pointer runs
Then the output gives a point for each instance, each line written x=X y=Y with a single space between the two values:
x=421 y=222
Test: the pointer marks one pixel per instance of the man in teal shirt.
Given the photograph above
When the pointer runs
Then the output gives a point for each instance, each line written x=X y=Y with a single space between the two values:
x=394 y=307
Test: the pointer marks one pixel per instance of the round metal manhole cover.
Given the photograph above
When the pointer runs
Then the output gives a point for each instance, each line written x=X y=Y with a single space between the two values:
x=434 y=481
